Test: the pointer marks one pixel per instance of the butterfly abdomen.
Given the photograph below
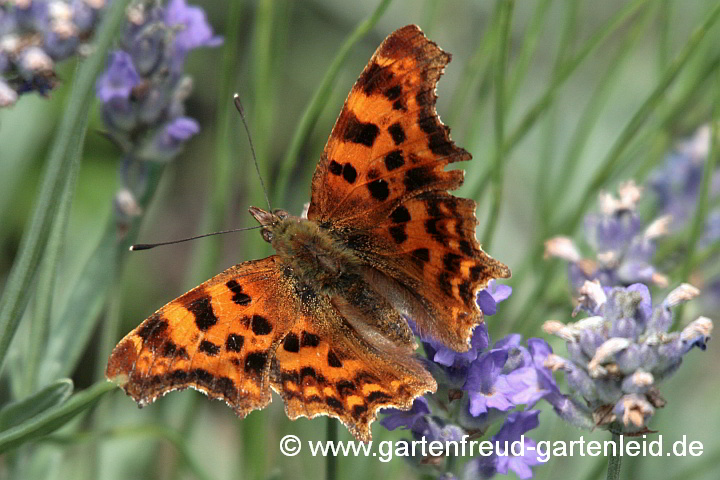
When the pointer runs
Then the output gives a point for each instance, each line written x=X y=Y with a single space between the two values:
x=315 y=257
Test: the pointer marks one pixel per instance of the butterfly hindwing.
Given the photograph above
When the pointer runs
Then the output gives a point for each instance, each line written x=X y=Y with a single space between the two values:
x=327 y=367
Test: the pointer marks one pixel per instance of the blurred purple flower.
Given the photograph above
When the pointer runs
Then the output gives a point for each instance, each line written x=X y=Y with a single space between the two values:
x=119 y=78
x=193 y=30
x=35 y=35
x=623 y=247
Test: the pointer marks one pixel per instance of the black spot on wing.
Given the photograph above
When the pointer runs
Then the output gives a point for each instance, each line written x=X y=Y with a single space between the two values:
x=239 y=297
x=419 y=177
x=393 y=93
x=349 y=173
x=260 y=325
x=335 y=168
x=451 y=262
x=154 y=326
x=208 y=348
x=334 y=403
x=397 y=133
x=400 y=215
x=202 y=309
x=359 y=132
x=379 y=189
x=373 y=78
x=255 y=363
x=421 y=254
x=333 y=360
x=378 y=396
x=234 y=342
x=394 y=160
x=397 y=232
x=309 y=340
x=291 y=343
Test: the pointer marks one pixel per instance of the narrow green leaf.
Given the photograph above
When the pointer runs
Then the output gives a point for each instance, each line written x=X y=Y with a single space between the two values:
x=541 y=105
x=52 y=418
x=47 y=278
x=638 y=119
x=18 y=412
x=64 y=152
x=500 y=71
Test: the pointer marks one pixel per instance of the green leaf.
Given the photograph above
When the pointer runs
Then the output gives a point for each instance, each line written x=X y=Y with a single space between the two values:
x=54 y=394
x=53 y=418
x=65 y=151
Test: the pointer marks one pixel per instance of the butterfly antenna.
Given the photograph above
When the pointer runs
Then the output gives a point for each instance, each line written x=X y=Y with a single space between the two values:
x=148 y=246
x=241 y=111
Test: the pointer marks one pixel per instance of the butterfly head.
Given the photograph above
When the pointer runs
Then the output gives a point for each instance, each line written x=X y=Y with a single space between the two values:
x=268 y=219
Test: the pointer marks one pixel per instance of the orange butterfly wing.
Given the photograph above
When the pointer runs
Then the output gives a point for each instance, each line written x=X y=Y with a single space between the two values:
x=219 y=338
x=381 y=185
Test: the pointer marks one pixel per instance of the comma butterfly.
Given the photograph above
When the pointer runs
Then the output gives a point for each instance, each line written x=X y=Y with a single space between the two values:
x=323 y=322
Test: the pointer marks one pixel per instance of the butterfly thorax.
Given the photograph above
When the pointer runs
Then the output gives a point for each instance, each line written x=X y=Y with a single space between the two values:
x=315 y=256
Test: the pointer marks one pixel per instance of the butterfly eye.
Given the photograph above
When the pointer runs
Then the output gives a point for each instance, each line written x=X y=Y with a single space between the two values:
x=267 y=235
x=281 y=214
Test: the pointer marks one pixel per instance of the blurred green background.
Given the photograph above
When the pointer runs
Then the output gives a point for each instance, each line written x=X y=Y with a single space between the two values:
x=582 y=91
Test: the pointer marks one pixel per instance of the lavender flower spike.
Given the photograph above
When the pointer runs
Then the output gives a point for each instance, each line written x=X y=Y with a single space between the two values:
x=623 y=247
x=619 y=355
x=35 y=35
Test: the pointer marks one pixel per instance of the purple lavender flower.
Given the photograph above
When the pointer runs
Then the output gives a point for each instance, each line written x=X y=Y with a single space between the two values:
x=486 y=386
x=119 y=79
x=478 y=388
x=619 y=354
x=35 y=35
x=193 y=30
x=143 y=89
x=676 y=185
x=516 y=452
x=623 y=246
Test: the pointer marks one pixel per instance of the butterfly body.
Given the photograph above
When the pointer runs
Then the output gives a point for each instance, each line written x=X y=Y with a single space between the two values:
x=323 y=322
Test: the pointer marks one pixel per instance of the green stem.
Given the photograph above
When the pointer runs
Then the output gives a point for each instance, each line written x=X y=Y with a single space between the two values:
x=614 y=461
x=499 y=120
x=206 y=254
x=331 y=425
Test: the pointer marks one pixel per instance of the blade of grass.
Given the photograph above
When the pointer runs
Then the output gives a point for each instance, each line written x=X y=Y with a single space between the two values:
x=541 y=105
x=50 y=396
x=77 y=320
x=499 y=119
x=527 y=50
x=592 y=111
x=474 y=69
x=64 y=152
x=638 y=119
x=46 y=281
x=52 y=418
x=206 y=255
x=545 y=170
x=319 y=99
